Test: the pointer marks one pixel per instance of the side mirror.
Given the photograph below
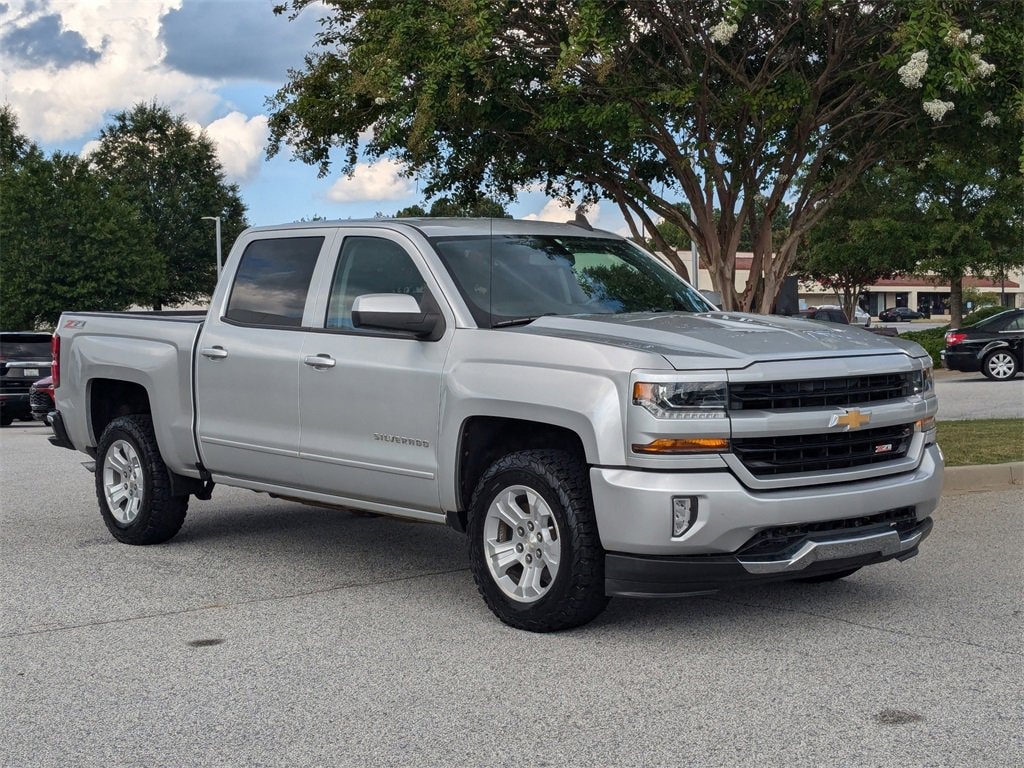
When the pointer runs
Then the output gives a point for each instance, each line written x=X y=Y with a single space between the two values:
x=396 y=312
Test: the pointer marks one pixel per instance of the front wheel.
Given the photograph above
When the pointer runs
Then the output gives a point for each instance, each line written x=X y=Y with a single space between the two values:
x=999 y=365
x=533 y=543
x=133 y=486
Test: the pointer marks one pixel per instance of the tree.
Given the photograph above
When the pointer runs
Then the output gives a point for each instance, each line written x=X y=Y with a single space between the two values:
x=973 y=209
x=715 y=103
x=481 y=207
x=69 y=242
x=874 y=231
x=175 y=176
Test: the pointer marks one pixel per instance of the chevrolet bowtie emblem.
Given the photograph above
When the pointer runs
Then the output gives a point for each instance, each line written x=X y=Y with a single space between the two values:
x=851 y=419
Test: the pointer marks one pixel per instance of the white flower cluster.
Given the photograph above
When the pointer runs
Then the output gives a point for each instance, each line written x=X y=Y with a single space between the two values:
x=958 y=39
x=981 y=67
x=936 y=109
x=723 y=31
x=990 y=120
x=912 y=72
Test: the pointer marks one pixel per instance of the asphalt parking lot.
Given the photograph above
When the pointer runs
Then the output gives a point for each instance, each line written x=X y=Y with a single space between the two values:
x=972 y=396
x=269 y=633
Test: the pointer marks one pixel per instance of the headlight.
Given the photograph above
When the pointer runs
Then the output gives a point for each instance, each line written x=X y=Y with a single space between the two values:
x=682 y=399
x=922 y=381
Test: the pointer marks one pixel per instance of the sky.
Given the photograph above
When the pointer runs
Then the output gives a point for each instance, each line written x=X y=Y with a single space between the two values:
x=67 y=66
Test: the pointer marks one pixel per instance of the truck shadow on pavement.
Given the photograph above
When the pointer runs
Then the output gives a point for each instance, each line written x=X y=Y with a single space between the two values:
x=330 y=547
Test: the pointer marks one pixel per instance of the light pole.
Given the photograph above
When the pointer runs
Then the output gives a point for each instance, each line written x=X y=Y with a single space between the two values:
x=216 y=219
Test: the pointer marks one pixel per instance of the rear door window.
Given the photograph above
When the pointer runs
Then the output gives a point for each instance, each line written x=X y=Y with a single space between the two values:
x=273 y=280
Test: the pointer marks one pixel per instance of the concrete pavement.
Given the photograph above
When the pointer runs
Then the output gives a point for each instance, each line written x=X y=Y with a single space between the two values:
x=269 y=633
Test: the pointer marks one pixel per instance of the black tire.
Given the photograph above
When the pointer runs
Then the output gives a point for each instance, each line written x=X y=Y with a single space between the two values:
x=827 y=577
x=151 y=514
x=1000 y=365
x=575 y=594
x=6 y=419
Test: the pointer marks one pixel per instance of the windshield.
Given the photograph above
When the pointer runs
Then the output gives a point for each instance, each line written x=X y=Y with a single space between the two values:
x=510 y=279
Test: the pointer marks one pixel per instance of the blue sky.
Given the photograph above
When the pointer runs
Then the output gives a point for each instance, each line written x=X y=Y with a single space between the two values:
x=67 y=65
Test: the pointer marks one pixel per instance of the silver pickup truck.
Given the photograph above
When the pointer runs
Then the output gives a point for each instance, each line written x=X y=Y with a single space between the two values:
x=584 y=415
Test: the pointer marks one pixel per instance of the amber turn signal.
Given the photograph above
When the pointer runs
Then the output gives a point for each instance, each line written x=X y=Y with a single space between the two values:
x=672 y=445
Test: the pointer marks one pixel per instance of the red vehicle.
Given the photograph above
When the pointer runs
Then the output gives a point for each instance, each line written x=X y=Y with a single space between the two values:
x=41 y=400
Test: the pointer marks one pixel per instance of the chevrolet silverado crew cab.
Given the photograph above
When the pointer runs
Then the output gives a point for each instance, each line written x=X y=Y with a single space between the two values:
x=592 y=424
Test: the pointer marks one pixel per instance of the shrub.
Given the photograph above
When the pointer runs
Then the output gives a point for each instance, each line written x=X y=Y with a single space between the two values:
x=933 y=340
x=982 y=313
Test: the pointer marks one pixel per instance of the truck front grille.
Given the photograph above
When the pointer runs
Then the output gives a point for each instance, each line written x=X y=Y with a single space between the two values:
x=792 y=454
x=819 y=393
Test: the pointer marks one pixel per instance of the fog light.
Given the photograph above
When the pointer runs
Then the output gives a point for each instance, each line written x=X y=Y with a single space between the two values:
x=684 y=512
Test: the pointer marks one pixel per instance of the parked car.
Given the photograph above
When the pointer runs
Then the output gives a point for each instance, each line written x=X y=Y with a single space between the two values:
x=24 y=358
x=860 y=316
x=826 y=315
x=40 y=400
x=896 y=314
x=992 y=346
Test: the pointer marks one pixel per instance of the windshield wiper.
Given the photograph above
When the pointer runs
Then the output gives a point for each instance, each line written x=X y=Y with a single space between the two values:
x=520 y=320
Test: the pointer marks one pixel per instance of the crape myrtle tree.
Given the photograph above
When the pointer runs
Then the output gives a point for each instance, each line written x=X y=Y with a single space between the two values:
x=69 y=241
x=648 y=104
x=874 y=230
x=481 y=207
x=173 y=173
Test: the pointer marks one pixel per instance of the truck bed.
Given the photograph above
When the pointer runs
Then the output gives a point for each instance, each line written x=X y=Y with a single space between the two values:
x=153 y=349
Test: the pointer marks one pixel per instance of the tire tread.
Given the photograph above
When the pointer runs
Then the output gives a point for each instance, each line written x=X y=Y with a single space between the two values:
x=585 y=598
x=163 y=513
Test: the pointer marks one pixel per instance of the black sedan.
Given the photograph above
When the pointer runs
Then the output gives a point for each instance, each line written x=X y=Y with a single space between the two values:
x=895 y=314
x=992 y=346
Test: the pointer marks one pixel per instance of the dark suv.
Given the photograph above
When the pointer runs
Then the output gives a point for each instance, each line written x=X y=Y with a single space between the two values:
x=24 y=359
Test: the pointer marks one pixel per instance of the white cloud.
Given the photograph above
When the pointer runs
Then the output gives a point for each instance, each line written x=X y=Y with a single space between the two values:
x=89 y=148
x=240 y=144
x=382 y=180
x=58 y=104
x=557 y=211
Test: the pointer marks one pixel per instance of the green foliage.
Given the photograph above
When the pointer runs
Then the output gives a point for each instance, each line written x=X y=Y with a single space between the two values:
x=873 y=231
x=979 y=299
x=69 y=242
x=983 y=313
x=176 y=179
x=478 y=207
x=932 y=339
x=645 y=104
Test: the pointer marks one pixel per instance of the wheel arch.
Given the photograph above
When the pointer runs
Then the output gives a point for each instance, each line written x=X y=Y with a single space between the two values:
x=110 y=398
x=482 y=440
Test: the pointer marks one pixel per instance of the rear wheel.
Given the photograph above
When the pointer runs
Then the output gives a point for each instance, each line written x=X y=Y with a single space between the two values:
x=133 y=486
x=533 y=543
x=1000 y=365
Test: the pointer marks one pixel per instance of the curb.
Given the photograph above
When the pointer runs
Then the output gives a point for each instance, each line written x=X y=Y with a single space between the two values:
x=985 y=477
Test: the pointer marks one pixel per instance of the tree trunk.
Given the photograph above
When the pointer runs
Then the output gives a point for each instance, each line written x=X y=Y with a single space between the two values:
x=956 y=301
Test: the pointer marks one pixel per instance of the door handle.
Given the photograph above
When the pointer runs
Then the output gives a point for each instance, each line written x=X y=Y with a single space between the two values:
x=321 y=362
x=214 y=353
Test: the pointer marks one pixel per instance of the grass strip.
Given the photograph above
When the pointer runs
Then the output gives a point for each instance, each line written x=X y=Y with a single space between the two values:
x=981 y=441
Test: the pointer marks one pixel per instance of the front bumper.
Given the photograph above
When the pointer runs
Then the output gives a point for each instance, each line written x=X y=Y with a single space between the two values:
x=652 y=576
x=634 y=516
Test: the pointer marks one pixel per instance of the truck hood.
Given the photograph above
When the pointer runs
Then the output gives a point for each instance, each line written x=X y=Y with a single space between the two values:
x=722 y=339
